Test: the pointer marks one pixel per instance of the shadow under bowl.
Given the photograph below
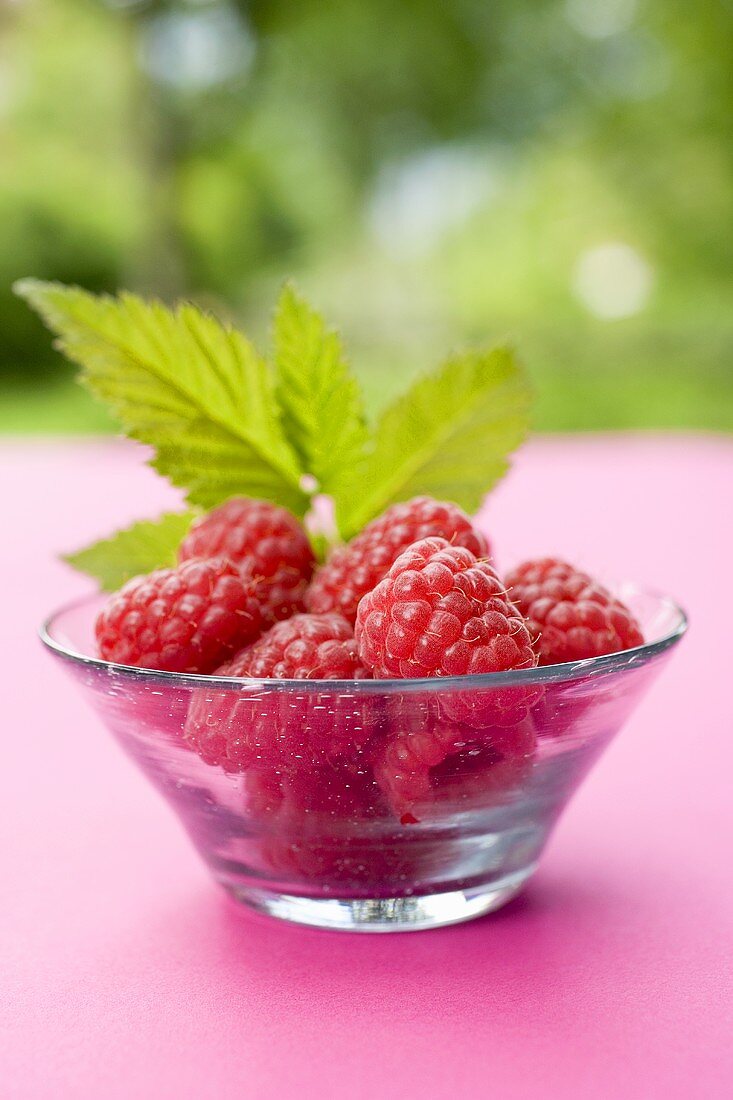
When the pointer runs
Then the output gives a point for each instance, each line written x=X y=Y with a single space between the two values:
x=370 y=805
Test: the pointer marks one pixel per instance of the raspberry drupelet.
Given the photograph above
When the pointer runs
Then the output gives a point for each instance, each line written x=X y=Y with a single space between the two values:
x=570 y=615
x=188 y=619
x=355 y=569
x=265 y=537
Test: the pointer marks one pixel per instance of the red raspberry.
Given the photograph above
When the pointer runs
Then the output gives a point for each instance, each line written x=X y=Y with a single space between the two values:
x=305 y=647
x=269 y=539
x=484 y=774
x=426 y=756
x=187 y=619
x=355 y=569
x=237 y=728
x=322 y=797
x=571 y=616
x=417 y=740
x=314 y=826
x=441 y=612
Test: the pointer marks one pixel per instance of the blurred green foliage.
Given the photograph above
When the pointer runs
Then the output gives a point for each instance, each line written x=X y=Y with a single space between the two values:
x=431 y=174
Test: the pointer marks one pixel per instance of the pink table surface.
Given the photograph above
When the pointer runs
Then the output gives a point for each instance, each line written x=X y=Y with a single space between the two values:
x=125 y=973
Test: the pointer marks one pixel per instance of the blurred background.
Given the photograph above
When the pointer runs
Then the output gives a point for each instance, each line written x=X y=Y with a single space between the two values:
x=431 y=174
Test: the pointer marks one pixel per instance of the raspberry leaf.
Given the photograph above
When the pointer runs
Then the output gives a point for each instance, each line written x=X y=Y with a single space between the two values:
x=179 y=380
x=148 y=545
x=449 y=437
x=321 y=402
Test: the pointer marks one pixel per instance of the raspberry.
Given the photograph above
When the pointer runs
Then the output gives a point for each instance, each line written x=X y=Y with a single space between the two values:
x=236 y=728
x=269 y=539
x=428 y=758
x=441 y=612
x=571 y=617
x=187 y=619
x=355 y=569
x=305 y=647
x=417 y=741
x=314 y=826
x=486 y=772
x=314 y=796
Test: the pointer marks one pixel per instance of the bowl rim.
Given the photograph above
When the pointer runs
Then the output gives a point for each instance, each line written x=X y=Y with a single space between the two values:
x=542 y=674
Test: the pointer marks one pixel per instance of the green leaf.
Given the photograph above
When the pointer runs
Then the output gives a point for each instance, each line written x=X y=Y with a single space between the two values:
x=148 y=545
x=320 y=544
x=321 y=402
x=181 y=381
x=449 y=437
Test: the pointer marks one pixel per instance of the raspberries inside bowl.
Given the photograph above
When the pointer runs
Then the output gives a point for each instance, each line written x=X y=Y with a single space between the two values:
x=384 y=743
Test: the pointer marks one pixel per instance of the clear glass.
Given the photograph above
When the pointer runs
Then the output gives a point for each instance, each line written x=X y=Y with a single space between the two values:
x=370 y=805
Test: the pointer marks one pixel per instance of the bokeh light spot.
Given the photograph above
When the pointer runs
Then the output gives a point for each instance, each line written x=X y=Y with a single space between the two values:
x=600 y=18
x=415 y=203
x=195 y=50
x=612 y=280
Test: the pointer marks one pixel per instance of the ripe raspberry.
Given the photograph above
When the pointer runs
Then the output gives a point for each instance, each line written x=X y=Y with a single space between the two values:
x=417 y=740
x=314 y=826
x=305 y=647
x=187 y=619
x=237 y=728
x=425 y=757
x=485 y=773
x=570 y=616
x=355 y=569
x=441 y=612
x=267 y=538
x=323 y=798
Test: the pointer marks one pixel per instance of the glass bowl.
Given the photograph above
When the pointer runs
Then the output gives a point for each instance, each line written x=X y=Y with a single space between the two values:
x=370 y=805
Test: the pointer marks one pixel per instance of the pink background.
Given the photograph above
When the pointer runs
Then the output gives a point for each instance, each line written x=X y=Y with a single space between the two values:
x=125 y=973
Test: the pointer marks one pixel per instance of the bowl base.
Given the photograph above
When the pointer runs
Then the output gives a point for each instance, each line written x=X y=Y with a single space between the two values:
x=406 y=914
